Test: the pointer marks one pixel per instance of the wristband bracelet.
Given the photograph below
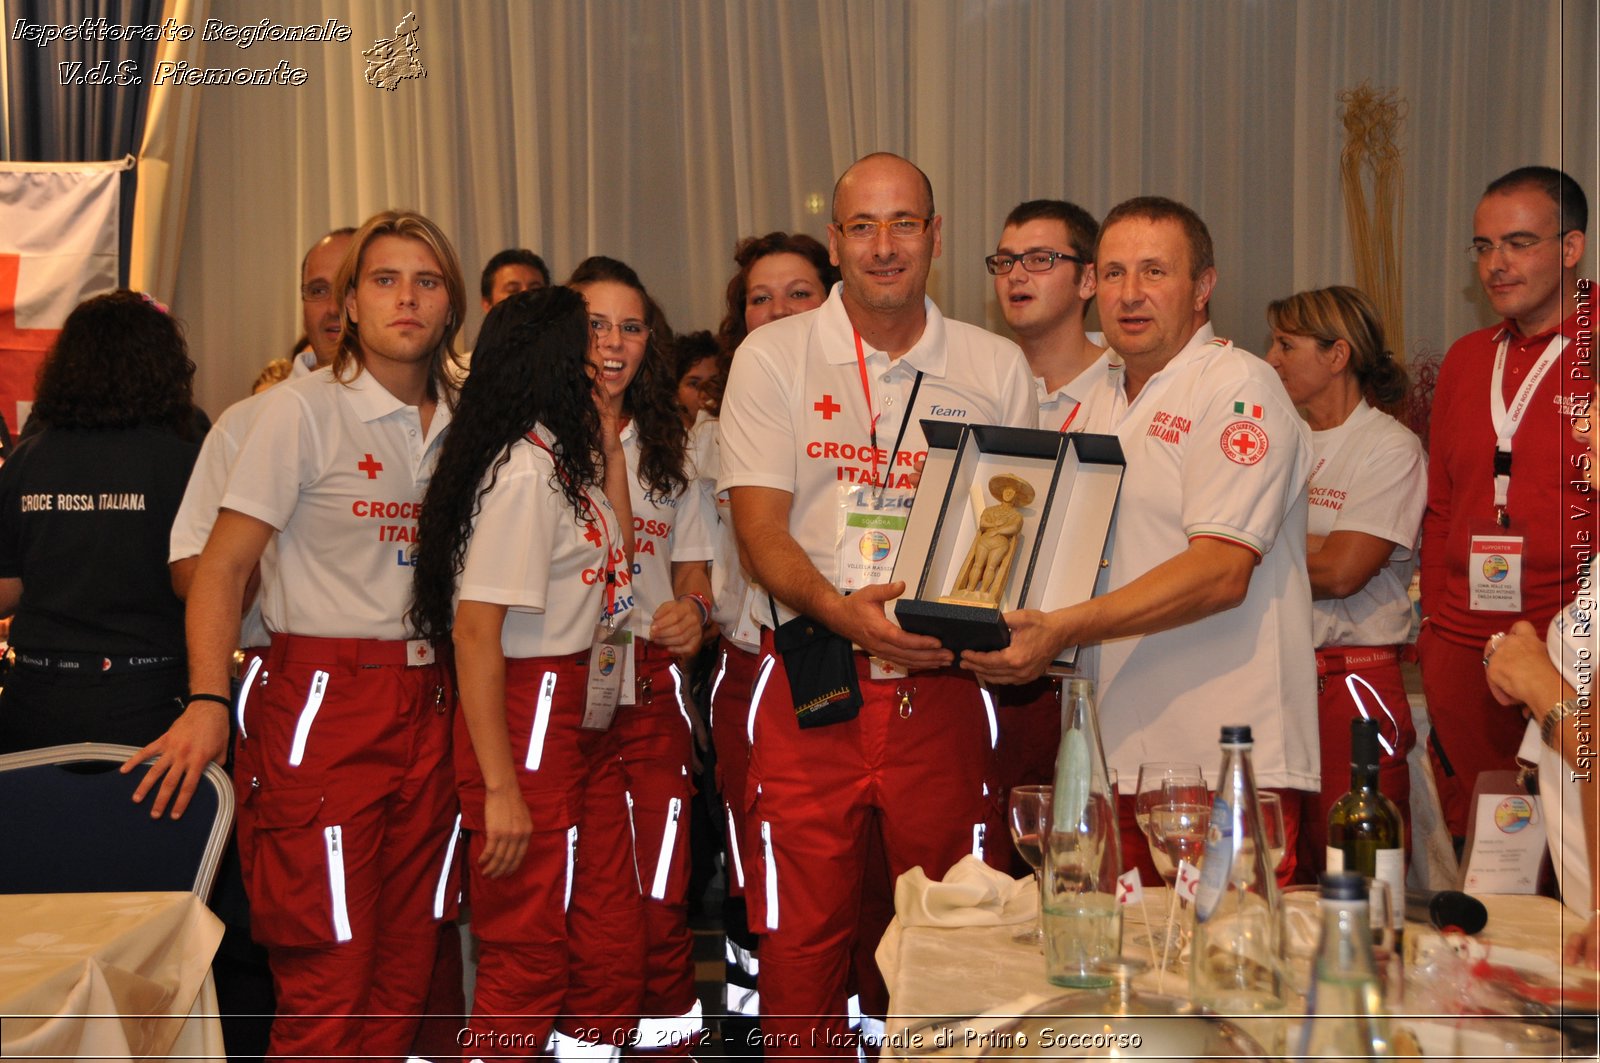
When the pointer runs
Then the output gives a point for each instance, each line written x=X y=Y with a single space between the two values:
x=700 y=602
x=226 y=702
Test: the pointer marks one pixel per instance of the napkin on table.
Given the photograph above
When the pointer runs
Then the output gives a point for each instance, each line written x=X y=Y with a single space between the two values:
x=972 y=894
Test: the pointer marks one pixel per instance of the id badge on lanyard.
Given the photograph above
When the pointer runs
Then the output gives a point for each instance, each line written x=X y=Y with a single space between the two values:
x=1494 y=560
x=610 y=652
x=871 y=524
x=1494 y=573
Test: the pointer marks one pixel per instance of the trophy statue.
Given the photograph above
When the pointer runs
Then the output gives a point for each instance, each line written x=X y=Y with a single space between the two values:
x=982 y=579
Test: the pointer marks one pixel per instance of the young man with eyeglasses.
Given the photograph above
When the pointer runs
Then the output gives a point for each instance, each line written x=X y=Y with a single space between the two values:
x=821 y=442
x=1043 y=269
x=1498 y=542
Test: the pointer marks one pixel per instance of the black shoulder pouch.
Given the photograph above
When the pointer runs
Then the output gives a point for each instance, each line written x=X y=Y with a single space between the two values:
x=822 y=672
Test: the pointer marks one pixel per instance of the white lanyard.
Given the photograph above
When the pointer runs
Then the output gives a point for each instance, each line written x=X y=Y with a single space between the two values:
x=1506 y=422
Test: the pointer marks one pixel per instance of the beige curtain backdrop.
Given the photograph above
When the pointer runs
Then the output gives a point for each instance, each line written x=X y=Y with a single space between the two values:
x=166 y=164
x=660 y=131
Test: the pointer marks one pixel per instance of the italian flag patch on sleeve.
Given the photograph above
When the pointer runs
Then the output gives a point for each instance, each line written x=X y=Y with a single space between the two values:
x=1244 y=409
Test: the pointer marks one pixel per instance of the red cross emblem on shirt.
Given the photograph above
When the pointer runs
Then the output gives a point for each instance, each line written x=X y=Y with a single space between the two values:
x=422 y=653
x=827 y=407
x=592 y=534
x=371 y=467
x=1244 y=442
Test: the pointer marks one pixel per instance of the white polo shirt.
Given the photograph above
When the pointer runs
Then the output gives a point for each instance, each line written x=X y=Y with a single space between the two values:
x=664 y=530
x=1060 y=409
x=529 y=552
x=1214 y=448
x=339 y=469
x=796 y=417
x=1369 y=475
x=202 y=498
x=303 y=364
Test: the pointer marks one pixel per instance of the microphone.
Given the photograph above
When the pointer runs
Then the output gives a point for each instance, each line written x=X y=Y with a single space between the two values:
x=1446 y=908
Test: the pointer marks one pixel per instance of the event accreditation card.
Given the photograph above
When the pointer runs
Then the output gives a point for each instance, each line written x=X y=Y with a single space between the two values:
x=872 y=523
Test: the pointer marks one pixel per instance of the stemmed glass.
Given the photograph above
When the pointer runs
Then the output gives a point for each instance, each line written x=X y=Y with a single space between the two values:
x=1272 y=827
x=1180 y=829
x=1028 y=812
x=1164 y=782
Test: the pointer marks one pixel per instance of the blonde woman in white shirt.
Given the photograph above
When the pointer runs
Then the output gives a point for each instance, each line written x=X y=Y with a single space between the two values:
x=1367 y=493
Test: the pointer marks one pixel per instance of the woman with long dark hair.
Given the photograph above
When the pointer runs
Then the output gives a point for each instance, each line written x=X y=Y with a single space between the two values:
x=86 y=504
x=670 y=605
x=522 y=554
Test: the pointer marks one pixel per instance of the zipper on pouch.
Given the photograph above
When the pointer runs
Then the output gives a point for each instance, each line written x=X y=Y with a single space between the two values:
x=302 y=727
x=669 y=840
x=334 y=838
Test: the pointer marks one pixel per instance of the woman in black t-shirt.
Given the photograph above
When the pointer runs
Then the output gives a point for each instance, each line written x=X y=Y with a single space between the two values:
x=86 y=506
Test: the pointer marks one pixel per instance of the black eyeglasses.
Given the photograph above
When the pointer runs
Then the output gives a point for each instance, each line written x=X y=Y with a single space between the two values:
x=1032 y=261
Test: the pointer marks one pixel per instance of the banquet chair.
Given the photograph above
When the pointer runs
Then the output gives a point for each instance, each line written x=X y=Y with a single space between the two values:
x=68 y=824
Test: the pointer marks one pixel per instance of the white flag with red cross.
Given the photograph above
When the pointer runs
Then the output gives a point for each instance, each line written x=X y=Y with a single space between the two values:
x=58 y=247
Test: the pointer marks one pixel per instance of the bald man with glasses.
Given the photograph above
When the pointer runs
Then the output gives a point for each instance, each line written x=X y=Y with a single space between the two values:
x=821 y=439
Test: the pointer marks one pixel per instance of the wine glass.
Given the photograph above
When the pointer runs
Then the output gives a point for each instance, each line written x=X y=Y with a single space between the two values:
x=1272 y=827
x=1028 y=812
x=1164 y=782
x=1180 y=829
x=1299 y=927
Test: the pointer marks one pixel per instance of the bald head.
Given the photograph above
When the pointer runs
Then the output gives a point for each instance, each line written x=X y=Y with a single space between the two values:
x=880 y=166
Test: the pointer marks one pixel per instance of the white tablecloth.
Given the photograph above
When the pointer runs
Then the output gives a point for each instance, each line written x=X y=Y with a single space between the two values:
x=108 y=975
x=935 y=973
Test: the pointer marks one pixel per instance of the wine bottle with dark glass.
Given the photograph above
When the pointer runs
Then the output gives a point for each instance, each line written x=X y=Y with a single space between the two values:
x=1365 y=832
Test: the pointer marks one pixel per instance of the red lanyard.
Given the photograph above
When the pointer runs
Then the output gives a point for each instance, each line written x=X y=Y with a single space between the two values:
x=872 y=425
x=597 y=513
x=1071 y=416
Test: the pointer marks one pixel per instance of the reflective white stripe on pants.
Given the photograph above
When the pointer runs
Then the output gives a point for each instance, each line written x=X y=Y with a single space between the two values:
x=333 y=838
x=633 y=842
x=772 y=875
x=872 y=1032
x=978 y=833
x=742 y=1001
x=541 y=722
x=569 y=1047
x=669 y=842
x=671 y=1033
x=244 y=692
x=733 y=847
x=678 y=698
x=444 y=872
x=572 y=861
x=302 y=727
x=741 y=958
x=767 y=664
x=716 y=681
x=994 y=722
